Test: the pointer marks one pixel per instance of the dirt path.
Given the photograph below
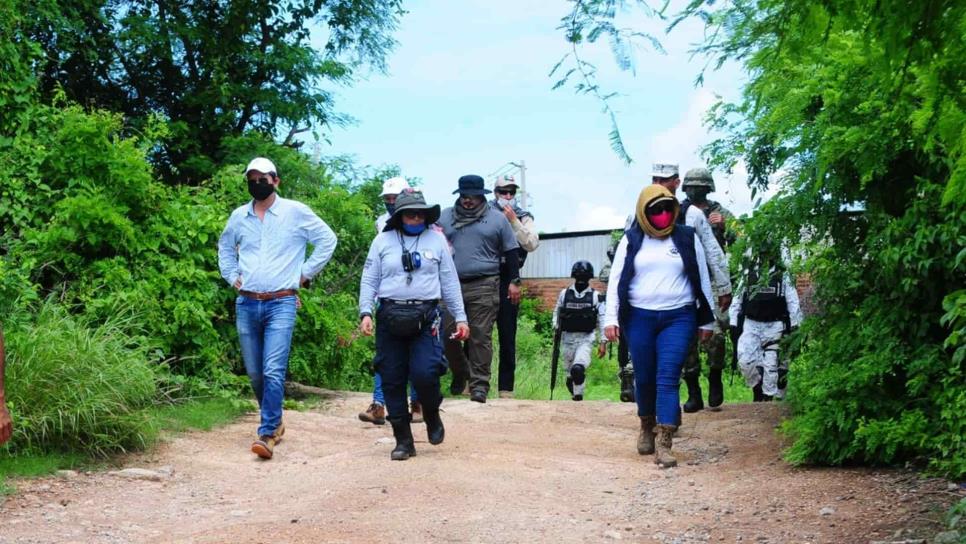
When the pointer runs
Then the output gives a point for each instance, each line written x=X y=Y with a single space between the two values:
x=509 y=471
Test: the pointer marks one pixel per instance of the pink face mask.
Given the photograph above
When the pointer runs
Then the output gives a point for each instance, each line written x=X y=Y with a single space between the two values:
x=661 y=220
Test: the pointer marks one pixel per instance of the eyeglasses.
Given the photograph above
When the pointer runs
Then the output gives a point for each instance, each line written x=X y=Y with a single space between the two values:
x=503 y=191
x=660 y=207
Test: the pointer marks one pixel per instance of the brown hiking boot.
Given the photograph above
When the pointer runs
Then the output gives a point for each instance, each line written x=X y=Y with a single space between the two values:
x=664 y=458
x=506 y=394
x=645 y=440
x=375 y=414
x=264 y=446
x=416 y=411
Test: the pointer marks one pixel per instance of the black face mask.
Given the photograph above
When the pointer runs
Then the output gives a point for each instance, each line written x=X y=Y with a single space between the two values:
x=697 y=194
x=580 y=285
x=260 y=189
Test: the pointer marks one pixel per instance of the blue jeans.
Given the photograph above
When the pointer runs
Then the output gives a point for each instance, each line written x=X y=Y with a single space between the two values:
x=418 y=360
x=265 y=333
x=659 y=342
x=379 y=397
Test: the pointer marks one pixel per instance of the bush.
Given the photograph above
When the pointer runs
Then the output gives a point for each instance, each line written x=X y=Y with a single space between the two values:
x=72 y=386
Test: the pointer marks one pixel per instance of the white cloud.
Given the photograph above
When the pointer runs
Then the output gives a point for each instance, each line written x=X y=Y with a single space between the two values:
x=596 y=217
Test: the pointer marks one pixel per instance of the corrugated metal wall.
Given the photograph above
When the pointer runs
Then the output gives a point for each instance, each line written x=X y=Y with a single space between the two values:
x=555 y=257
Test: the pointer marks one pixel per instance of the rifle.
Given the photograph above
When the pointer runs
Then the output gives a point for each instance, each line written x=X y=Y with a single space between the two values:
x=554 y=360
x=735 y=335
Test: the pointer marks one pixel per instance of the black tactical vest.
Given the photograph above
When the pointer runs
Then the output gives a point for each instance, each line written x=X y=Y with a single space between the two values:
x=578 y=314
x=768 y=302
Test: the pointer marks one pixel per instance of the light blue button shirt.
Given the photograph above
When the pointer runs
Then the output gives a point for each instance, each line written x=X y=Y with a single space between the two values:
x=269 y=254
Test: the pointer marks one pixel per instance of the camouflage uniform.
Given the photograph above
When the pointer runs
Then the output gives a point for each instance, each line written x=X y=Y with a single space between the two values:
x=715 y=347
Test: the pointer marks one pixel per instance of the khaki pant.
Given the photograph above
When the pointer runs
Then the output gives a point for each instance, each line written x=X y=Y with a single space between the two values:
x=481 y=300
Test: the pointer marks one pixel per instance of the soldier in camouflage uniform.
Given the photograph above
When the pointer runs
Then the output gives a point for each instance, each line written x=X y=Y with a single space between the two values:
x=698 y=183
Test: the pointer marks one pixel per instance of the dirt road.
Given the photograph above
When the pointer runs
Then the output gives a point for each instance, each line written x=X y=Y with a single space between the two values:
x=509 y=471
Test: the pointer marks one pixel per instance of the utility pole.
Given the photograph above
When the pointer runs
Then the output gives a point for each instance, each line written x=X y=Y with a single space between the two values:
x=523 y=182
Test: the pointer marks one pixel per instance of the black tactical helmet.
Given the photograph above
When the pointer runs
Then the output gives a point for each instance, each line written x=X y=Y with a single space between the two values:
x=582 y=270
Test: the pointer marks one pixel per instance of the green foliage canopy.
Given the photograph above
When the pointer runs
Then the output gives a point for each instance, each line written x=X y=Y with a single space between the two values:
x=212 y=69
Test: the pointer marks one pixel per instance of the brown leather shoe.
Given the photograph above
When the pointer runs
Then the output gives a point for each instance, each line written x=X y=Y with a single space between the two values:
x=416 y=410
x=264 y=446
x=375 y=414
x=279 y=431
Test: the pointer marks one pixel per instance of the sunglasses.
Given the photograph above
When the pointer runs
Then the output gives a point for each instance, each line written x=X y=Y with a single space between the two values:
x=505 y=191
x=412 y=214
x=660 y=207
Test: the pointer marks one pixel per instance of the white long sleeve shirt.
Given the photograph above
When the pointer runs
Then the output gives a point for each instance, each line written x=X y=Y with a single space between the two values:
x=660 y=281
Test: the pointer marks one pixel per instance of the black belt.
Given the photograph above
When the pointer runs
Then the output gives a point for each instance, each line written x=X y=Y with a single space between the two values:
x=408 y=302
x=478 y=278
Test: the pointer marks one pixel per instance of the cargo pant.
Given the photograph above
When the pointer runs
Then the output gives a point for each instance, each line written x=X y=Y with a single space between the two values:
x=715 y=348
x=471 y=363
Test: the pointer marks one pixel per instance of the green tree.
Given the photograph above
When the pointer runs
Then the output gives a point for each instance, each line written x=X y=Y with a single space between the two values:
x=212 y=68
x=856 y=110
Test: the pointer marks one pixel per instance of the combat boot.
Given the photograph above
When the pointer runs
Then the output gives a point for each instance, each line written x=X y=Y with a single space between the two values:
x=435 y=431
x=694 y=402
x=663 y=457
x=626 y=376
x=404 y=440
x=757 y=395
x=715 y=388
x=645 y=440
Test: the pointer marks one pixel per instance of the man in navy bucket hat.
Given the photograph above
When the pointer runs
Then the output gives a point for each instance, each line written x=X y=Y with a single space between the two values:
x=480 y=237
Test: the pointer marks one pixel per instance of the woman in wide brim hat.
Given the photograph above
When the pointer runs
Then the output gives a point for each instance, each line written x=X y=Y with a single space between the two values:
x=658 y=296
x=410 y=268
x=412 y=201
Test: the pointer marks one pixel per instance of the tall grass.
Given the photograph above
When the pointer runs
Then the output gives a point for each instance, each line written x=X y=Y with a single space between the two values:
x=73 y=386
x=534 y=351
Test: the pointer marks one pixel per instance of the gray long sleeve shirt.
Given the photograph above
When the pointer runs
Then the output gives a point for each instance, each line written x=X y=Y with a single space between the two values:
x=478 y=247
x=383 y=273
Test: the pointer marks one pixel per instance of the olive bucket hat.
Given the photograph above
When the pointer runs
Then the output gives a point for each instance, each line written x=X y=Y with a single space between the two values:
x=411 y=199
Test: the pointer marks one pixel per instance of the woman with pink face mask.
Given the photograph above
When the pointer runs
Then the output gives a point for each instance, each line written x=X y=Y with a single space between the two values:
x=658 y=296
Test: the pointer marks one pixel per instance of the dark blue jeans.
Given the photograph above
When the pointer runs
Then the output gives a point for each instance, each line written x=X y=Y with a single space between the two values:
x=417 y=360
x=265 y=333
x=659 y=342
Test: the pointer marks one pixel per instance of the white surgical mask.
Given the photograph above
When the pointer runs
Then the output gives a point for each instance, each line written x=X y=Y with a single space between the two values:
x=512 y=202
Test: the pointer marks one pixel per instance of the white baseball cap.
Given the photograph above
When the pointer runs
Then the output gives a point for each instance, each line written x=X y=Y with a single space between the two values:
x=262 y=165
x=394 y=186
x=504 y=181
x=664 y=170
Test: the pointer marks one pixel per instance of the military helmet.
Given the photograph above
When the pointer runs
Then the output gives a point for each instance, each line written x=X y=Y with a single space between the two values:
x=698 y=177
x=582 y=270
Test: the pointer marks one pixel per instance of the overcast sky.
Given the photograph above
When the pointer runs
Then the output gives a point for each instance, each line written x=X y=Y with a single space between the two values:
x=468 y=91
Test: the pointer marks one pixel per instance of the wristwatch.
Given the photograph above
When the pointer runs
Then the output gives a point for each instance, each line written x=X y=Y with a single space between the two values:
x=364 y=315
x=516 y=281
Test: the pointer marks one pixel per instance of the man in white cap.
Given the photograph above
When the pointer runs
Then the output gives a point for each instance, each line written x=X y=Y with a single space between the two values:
x=390 y=190
x=505 y=201
x=376 y=412
x=261 y=253
x=667 y=176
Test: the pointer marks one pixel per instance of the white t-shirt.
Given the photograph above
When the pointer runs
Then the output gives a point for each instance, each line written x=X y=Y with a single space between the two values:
x=660 y=281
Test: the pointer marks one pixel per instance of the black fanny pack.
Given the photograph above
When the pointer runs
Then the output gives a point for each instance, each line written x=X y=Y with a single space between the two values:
x=407 y=319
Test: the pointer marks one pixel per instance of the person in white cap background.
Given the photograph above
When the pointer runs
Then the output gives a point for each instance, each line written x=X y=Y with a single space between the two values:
x=505 y=201
x=376 y=412
x=667 y=176
x=261 y=253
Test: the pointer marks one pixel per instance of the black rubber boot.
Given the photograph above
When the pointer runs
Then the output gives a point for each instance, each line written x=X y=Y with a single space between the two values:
x=626 y=376
x=694 y=402
x=404 y=440
x=434 y=426
x=570 y=385
x=715 y=388
x=758 y=395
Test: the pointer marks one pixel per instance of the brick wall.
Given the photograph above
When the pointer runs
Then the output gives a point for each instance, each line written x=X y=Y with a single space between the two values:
x=546 y=290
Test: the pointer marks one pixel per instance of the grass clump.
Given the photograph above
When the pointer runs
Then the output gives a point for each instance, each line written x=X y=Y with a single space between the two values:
x=77 y=387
